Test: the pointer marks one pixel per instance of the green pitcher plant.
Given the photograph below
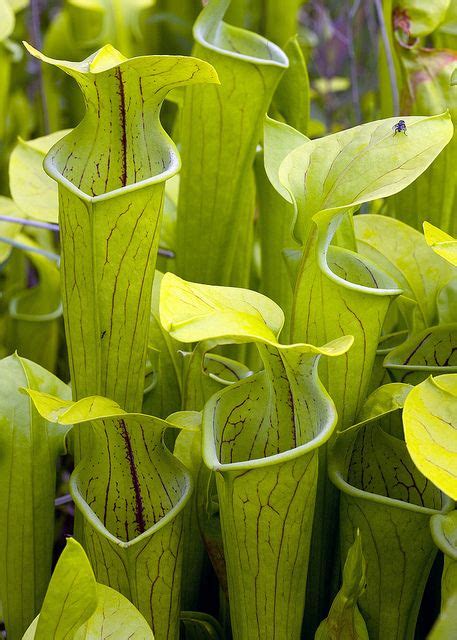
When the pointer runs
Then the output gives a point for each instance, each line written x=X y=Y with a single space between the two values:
x=386 y=497
x=133 y=507
x=219 y=129
x=336 y=290
x=110 y=203
x=261 y=438
x=228 y=320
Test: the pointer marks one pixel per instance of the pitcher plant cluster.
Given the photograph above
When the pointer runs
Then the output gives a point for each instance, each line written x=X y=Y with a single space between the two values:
x=228 y=326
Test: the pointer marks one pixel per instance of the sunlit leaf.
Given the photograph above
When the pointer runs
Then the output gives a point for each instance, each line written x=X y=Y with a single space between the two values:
x=442 y=243
x=429 y=419
x=134 y=513
x=6 y=19
x=30 y=448
x=385 y=496
x=78 y=608
x=32 y=190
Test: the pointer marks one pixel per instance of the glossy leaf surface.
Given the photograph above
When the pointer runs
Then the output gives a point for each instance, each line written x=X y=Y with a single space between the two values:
x=429 y=418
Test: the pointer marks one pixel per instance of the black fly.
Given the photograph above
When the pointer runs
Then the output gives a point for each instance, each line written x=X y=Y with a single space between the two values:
x=400 y=127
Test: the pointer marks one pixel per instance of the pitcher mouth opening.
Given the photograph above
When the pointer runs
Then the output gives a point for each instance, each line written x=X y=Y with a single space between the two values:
x=174 y=165
x=209 y=31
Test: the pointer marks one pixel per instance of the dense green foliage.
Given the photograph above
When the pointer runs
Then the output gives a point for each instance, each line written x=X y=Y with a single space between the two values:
x=228 y=320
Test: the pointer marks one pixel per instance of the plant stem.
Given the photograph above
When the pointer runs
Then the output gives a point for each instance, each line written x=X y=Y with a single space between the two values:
x=25 y=247
x=35 y=33
x=31 y=223
x=389 y=58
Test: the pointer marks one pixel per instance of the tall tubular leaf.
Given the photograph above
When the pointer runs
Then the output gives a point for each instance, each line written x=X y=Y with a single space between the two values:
x=29 y=447
x=428 y=284
x=276 y=214
x=337 y=291
x=261 y=437
x=7 y=21
x=281 y=19
x=220 y=128
x=133 y=513
x=111 y=172
x=385 y=496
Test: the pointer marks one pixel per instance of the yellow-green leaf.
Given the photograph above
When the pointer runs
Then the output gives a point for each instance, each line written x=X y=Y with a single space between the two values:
x=34 y=192
x=346 y=169
x=430 y=423
x=441 y=242
x=6 y=19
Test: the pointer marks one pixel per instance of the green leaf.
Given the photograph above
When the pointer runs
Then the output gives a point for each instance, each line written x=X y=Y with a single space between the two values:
x=163 y=382
x=30 y=447
x=188 y=449
x=32 y=190
x=6 y=20
x=430 y=430
x=442 y=243
x=432 y=351
x=402 y=252
x=344 y=621
x=291 y=101
x=427 y=90
x=216 y=205
x=117 y=22
x=35 y=312
x=111 y=198
x=446 y=625
x=444 y=532
x=115 y=618
x=276 y=214
x=192 y=312
x=341 y=171
x=340 y=292
x=132 y=505
x=265 y=429
x=422 y=17
x=385 y=496
x=200 y=626
x=384 y=400
x=205 y=373
x=71 y=597
x=281 y=19
x=77 y=608
x=280 y=139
